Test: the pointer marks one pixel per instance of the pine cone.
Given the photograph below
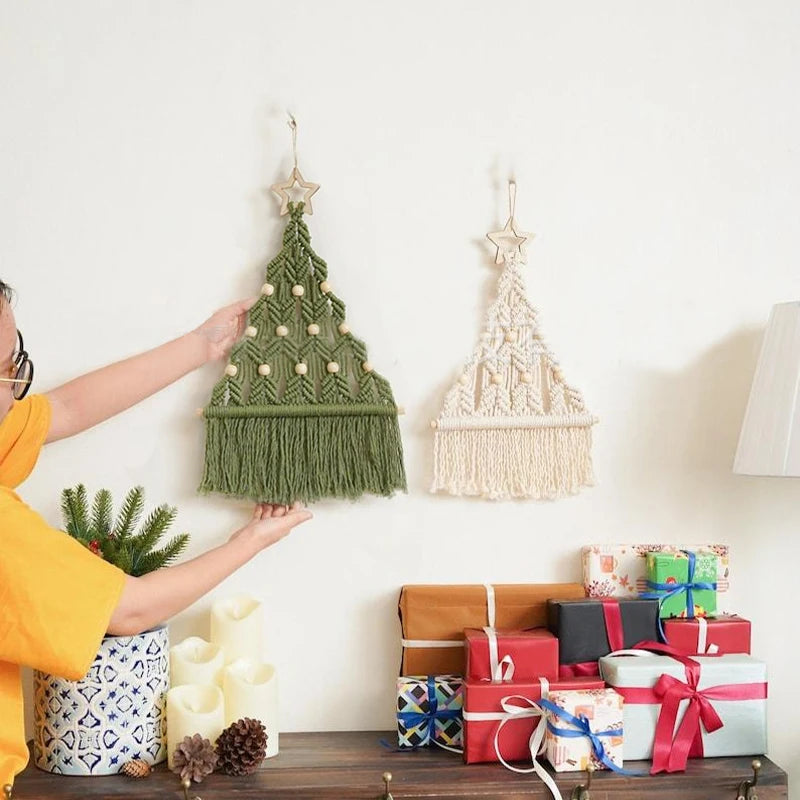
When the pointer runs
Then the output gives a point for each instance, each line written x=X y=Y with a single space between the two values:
x=194 y=758
x=136 y=768
x=241 y=747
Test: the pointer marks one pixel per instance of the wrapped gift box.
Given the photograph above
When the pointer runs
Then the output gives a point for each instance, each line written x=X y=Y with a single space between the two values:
x=744 y=721
x=603 y=710
x=672 y=569
x=433 y=619
x=620 y=570
x=726 y=633
x=483 y=715
x=590 y=628
x=429 y=708
x=533 y=653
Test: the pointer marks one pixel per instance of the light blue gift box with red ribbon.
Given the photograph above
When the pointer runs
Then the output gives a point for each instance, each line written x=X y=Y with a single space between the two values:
x=679 y=707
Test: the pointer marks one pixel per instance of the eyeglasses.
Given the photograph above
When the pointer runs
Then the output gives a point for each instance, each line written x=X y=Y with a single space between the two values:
x=21 y=371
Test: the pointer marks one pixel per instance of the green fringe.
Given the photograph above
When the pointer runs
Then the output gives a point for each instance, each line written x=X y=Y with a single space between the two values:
x=306 y=458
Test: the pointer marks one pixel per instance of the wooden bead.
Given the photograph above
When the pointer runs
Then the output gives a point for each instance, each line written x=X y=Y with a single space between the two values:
x=250 y=330
x=344 y=329
x=526 y=377
x=511 y=336
x=298 y=290
x=332 y=367
x=282 y=330
x=231 y=370
x=264 y=369
x=267 y=289
x=313 y=329
x=497 y=378
x=366 y=366
x=325 y=287
x=301 y=368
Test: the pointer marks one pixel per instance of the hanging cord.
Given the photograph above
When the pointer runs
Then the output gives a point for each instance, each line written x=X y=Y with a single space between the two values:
x=293 y=125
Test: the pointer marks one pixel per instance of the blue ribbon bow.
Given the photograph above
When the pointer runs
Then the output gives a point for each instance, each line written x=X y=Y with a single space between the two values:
x=414 y=719
x=663 y=591
x=583 y=728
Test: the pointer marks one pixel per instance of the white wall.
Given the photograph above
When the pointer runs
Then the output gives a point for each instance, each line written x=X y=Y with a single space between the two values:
x=655 y=146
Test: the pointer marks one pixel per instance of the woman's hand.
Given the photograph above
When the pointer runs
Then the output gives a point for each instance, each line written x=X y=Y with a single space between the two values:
x=270 y=523
x=155 y=597
x=224 y=328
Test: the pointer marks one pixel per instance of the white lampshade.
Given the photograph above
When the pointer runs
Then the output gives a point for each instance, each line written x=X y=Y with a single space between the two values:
x=769 y=443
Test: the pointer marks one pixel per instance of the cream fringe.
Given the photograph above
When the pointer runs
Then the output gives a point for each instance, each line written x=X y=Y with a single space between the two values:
x=541 y=463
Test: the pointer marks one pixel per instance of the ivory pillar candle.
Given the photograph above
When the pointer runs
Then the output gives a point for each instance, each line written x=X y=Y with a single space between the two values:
x=237 y=625
x=195 y=660
x=193 y=709
x=251 y=690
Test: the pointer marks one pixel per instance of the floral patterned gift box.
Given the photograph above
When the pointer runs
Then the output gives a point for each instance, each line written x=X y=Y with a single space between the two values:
x=576 y=717
x=620 y=570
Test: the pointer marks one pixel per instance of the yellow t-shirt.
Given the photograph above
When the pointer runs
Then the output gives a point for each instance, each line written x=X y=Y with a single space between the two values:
x=56 y=597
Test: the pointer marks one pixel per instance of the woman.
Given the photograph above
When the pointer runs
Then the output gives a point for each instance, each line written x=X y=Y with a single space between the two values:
x=57 y=599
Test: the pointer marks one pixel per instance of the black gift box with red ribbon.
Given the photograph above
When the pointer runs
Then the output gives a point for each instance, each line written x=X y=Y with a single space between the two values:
x=591 y=628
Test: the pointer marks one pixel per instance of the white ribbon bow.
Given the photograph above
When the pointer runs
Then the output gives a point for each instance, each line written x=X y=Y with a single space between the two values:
x=536 y=743
x=524 y=708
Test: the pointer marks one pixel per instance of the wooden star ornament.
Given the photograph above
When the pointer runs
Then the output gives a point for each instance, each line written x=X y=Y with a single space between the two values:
x=509 y=241
x=295 y=179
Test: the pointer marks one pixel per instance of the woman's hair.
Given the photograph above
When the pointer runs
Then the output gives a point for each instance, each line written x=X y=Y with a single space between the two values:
x=6 y=292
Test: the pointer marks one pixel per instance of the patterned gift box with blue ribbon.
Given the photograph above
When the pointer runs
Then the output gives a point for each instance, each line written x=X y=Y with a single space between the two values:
x=684 y=583
x=429 y=709
x=584 y=726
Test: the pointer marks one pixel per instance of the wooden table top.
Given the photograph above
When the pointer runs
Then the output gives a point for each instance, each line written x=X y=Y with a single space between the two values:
x=350 y=765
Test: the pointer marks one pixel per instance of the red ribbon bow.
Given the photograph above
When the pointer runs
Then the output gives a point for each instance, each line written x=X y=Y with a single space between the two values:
x=671 y=754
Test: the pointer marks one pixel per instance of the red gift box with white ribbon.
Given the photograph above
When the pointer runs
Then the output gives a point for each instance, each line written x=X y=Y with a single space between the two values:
x=501 y=718
x=510 y=655
x=726 y=633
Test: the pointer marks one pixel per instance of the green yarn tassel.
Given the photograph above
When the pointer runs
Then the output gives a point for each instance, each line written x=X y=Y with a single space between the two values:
x=300 y=413
x=306 y=458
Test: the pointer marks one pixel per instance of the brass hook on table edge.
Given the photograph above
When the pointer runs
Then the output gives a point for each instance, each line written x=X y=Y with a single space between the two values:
x=7 y=790
x=186 y=784
x=387 y=779
x=581 y=792
x=744 y=792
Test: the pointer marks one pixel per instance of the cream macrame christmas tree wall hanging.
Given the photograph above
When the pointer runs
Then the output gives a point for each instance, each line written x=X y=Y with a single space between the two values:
x=511 y=426
x=300 y=413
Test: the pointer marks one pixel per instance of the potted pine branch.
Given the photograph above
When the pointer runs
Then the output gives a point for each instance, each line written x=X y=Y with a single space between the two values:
x=117 y=712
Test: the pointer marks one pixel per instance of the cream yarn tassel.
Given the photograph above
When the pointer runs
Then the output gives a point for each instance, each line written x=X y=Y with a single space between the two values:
x=511 y=427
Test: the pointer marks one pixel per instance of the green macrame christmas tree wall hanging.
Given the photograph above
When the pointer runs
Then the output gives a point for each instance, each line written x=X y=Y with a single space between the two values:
x=300 y=413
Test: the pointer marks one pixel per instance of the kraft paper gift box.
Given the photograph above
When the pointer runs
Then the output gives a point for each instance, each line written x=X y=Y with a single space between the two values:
x=485 y=705
x=744 y=721
x=433 y=619
x=665 y=570
x=602 y=709
x=619 y=570
x=726 y=633
x=522 y=655
x=590 y=628
x=429 y=710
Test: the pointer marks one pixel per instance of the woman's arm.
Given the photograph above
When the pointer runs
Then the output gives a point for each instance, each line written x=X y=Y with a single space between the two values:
x=154 y=598
x=96 y=396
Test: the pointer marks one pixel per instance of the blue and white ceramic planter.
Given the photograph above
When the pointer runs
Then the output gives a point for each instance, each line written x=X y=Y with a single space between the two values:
x=117 y=712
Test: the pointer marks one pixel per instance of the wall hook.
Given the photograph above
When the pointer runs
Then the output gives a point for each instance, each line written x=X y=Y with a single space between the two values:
x=7 y=790
x=746 y=788
x=582 y=792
